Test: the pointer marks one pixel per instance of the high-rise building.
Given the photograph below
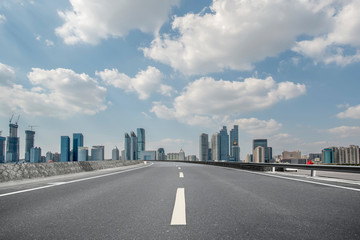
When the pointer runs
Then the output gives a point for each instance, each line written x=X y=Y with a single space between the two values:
x=263 y=143
x=83 y=154
x=127 y=147
x=133 y=146
x=224 y=144
x=259 y=154
x=35 y=155
x=115 y=154
x=49 y=156
x=203 y=147
x=234 y=144
x=140 y=141
x=78 y=141
x=328 y=155
x=235 y=152
x=182 y=155
x=65 y=149
x=97 y=153
x=147 y=155
x=12 y=145
x=2 y=149
x=215 y=146
x=29 y=143
x=160 y=154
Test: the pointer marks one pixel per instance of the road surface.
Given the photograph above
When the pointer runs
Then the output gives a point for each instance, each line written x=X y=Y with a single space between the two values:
x=169 y=200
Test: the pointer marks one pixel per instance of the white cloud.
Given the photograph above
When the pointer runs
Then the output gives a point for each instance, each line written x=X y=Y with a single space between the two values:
x=344 y=32
x=351 y=112
x=236 y=34
x=57 y=93
x=206 y=101
x=90 y=21
x=49 y=43
x=7 y=75
x=144 y=83
x=345 y=131
x=258 y=128
x=2 y=18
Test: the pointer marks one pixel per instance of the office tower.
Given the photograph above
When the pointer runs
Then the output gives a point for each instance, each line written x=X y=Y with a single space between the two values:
x=49 y=156
x=234 y=136
x=65 y=149
x=259 y=154
x=182 y=155
x=160 y=154
x=78 y=141
x=115 y=154
x=122 y=155
x=203 y=147
x=2 y=148
x=35 y=155
x=12 y=146
x=29 y=143
x=127 y=147
x=328 y=155
x=215 y=146
x=97 y=153
x=235 y=152
x=224 y=144
x=133 y=146
x=83 y=154
x=140 y=141
x=263 y=143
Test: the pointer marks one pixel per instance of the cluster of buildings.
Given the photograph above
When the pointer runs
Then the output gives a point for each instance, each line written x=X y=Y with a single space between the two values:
x=221 y=148
x=341 y=155
x=262 y=153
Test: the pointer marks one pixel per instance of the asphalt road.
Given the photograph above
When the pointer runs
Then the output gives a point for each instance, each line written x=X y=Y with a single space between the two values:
x=179 y=201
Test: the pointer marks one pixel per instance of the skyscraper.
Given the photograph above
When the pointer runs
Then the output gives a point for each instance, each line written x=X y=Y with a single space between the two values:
x=29 y=143
x=234 y=135
x=224 y=144
x=127 y=147
x=115 y=154
x=2 y=149
x=83 y=154
x=234 y=144
x=259 y=154
x=140 y=141
x=78 y=141
x=35 y=155
x=160 y=154
x=65 y=149
x=12 y=146
x=215 y=146
x=133 y=146
x=268 y=150
x=97 y=153
x=235 y=152
x=203 y=147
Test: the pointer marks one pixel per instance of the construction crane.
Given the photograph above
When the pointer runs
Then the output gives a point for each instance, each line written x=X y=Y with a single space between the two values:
x=11 y=118
x=32 y=126
x=17 y=120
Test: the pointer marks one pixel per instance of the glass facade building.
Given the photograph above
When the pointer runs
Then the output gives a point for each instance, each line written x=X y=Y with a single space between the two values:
x=65 y=149
x=12 y=145
x=115 y=154
x=29 y=143
x=133 y=146
x=2 y=149
x=204 y=147
x=127 y=147
x=268 y=150
x=215 y=146
x=78 y=141
x=97 y=153
x=224 y=144
x=35 y=155
x=140 y=141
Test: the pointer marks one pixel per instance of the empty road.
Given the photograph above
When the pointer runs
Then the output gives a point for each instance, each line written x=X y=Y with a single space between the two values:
x=168 y=200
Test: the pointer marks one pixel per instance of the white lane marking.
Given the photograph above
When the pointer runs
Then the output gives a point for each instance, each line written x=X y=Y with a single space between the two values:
x=298 y=180
x=77 y=180
x=179 y=212
x=181 y=174
x=179 y=168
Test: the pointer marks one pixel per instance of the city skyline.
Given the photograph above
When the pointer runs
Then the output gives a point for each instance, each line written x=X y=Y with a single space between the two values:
x=182 y=70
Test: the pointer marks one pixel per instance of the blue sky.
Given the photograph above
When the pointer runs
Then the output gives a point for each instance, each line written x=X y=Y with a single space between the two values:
x=283 y=70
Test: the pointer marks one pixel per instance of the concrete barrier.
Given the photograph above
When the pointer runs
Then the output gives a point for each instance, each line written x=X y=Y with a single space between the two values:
x=19 y=171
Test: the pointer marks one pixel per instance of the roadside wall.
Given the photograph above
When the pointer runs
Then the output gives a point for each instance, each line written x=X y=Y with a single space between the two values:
x=19 y=171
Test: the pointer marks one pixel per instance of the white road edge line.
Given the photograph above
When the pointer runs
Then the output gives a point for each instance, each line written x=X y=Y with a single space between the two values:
x=181 y=174
x=77 y=180
x=179 y=212
x=298 y=180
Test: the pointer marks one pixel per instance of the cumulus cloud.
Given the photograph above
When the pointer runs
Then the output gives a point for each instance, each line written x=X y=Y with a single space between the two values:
x=7 y=75
x=206 y=100
x=345 y=131
x=144 y=83
x=57 y=93
x=236 y=34
x=351 y=112
x=344 y=33
x=90 y=21
x=257 y=127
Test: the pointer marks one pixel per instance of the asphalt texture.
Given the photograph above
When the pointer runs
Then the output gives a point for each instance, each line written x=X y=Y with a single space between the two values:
x=138 y=203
